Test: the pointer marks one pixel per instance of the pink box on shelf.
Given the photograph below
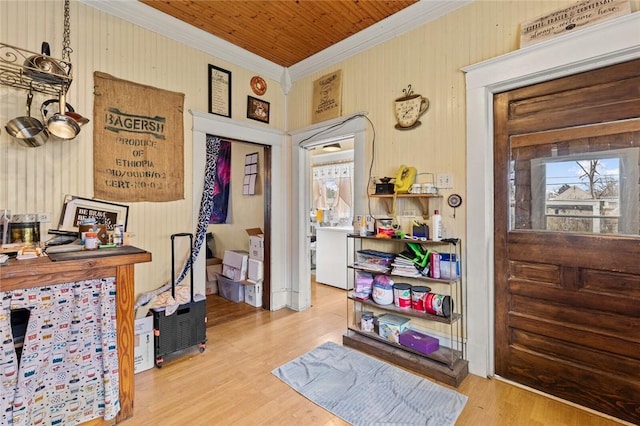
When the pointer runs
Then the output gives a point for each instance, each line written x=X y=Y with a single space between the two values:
x=419 y=341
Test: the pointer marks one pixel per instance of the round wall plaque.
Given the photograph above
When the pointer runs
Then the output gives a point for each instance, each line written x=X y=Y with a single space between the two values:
x=258 y=85
x=454 y=200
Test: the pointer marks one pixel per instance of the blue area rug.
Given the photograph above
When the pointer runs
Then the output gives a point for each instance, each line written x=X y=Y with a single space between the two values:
x=365 y=391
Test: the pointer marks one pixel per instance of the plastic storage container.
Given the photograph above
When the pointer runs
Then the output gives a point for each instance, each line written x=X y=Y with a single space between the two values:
x=382 y=290
x=230 y=290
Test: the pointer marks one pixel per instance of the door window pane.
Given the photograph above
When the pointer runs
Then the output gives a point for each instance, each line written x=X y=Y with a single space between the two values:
x=582 y=196
x=575 y=186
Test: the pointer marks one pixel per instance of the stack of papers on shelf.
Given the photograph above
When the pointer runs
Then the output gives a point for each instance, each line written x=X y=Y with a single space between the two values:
x=405 y=268
x=4 y=259
x=371 y=267
x=373 y=260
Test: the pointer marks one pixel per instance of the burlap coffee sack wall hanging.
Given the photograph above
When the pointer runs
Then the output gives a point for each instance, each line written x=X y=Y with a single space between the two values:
x=138 y=141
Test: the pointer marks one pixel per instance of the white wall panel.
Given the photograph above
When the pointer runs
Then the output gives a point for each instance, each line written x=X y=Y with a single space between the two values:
x=430 y=58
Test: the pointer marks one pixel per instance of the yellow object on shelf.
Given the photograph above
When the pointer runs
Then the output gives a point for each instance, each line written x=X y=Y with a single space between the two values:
x=29 y=253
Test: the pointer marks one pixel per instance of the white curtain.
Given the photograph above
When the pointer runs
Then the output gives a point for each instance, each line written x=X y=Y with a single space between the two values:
x=333 y=190
x=68 y=372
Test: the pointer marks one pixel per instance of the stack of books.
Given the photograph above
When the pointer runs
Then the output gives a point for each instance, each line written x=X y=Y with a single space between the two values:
x=404 y=267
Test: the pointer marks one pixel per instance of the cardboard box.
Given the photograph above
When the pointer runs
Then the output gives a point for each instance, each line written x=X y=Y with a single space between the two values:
x=214 y=267
x=234 y=274
x=213 y=272
x=143 y=344
x=255 y=271
x=253 y=294
x=390 y=326
x=418 y=341
x=234 y=264
x=211 y=287
x=230 y=289
x=449 y=266
x=256 y=243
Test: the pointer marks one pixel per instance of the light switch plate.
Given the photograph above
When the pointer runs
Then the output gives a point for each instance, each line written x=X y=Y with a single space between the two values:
x=445 y=180
x=44 y=217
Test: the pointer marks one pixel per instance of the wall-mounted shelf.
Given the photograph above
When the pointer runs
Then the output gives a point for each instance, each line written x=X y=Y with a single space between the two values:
x=14 y=72
x=423 y=199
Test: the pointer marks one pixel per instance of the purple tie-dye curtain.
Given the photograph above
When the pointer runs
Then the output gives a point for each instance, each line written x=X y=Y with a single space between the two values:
x=221 y=179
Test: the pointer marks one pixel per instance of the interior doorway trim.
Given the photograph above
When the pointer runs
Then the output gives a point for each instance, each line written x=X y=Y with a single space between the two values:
x=204 y=124
x=607 y=43
x=303 y=139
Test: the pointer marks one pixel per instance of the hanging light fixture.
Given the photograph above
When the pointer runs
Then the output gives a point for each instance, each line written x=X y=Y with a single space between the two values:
x=332 y=147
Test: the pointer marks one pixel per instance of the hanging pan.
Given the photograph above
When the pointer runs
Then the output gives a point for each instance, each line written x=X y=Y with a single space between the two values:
x=51 y=107
x=43 y=68
x=61 y=125
x=28 y=131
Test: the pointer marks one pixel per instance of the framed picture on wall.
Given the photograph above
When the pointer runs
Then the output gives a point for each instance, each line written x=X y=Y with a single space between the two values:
x=219 y=91
x=75 y=209
x=257 y=109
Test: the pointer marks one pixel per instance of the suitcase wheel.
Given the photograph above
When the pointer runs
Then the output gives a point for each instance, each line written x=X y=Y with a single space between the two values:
x=202 y=347
x=159 y=362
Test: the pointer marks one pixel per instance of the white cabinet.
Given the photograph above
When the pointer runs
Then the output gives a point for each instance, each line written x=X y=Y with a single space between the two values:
x=333 y=256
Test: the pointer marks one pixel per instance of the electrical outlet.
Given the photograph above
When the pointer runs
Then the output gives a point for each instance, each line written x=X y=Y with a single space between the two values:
x=44 y=217
x=445 y=180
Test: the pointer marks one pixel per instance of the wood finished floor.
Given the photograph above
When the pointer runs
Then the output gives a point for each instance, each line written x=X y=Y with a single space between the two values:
x=230 y=383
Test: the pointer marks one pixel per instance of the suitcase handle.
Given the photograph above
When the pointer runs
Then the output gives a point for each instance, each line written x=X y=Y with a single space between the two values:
x=173 y=262
x=182 y=234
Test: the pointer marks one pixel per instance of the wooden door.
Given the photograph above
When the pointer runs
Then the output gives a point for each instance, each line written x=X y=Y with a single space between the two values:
x=567 y=245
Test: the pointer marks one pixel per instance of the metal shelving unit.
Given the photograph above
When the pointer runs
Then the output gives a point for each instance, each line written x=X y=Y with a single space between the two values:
x=446 y=364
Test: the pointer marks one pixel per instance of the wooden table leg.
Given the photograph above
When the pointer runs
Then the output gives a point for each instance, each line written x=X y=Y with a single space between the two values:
x=125 y=338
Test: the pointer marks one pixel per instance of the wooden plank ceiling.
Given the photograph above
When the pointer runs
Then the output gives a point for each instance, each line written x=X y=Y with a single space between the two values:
x=283 y=32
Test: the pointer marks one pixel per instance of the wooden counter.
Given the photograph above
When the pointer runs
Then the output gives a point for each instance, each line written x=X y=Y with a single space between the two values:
x=23 y=274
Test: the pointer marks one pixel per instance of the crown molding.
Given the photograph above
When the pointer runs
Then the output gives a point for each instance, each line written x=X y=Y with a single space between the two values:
x=397 y=24
x=407 y=19
x=151 y=19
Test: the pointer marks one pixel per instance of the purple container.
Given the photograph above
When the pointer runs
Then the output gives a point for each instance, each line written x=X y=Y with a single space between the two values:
x=419 y=341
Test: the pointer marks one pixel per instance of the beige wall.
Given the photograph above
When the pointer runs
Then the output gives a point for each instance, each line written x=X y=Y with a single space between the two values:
x=429 y=58
x=36 y=179
x=246 y=211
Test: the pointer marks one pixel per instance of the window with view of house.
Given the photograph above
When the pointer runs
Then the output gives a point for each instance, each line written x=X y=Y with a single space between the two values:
x=591 y=192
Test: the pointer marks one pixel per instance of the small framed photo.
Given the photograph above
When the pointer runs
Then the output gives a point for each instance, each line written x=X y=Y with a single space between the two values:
x=257 y=109
x=75 y=209
x=219 y=91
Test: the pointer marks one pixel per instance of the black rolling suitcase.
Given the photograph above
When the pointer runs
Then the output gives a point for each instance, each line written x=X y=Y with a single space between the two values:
x=184 y=328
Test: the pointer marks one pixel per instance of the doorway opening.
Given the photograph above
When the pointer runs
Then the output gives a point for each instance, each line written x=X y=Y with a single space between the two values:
x=330 y=210
x=303 y=141
x=248 y=209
